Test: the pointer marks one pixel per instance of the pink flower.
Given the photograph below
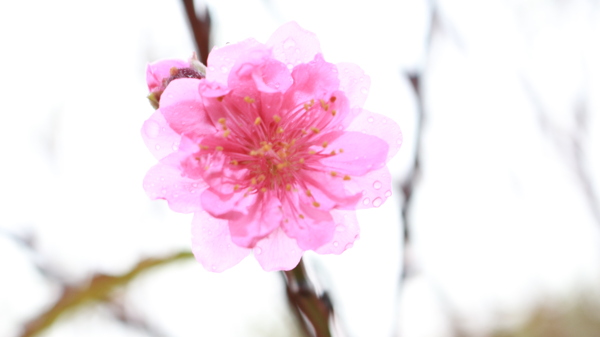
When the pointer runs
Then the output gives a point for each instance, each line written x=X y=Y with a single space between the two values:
x=271 y=151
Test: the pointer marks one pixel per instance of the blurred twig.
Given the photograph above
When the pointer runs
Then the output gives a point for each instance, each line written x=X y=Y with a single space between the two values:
x=200 y=28
x=98 y=289
x=314 y=312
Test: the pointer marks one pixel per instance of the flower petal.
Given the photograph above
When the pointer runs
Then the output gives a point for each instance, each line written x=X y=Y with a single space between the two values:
x=157 y=71
x=314 y=80
x=158 y=136
x=310 y=226
x=211 y=243
x=293 y=45
x=346 y=232
x=181 y=104
x=376 y=187
x=261 y=219
x=360 y=153
x=380 y=126
x=277 y=251
x=165 y=182
x=221 y=59
x=355 y=84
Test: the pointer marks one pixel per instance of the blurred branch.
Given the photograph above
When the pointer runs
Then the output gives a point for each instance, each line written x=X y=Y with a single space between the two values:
x=98 y=289
x=200 y=28
x=313 y=312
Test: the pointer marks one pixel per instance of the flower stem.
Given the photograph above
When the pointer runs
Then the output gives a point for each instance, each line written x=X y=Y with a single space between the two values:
x=313 y=311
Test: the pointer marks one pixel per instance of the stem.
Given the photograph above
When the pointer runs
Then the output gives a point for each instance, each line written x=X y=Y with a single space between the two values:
x=313 y=311
x=200 y=28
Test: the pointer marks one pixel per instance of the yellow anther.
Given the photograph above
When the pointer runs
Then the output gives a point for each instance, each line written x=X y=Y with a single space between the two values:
x=325 y=144
x=261 y=178
x=282 y=154
x=324 y=105
x=333 y=174
x=312 y=102
x=311 y=152
x=308 y=193
x=267 y=147
x=203 y=147
x=346 y=177
x=315 y=130
x=220 y=98
x=173 y=71
x=306 y=106
x=280 y=130
x=236 y=187
x=332 y=153
x=249 y=100
x=281 y=166
x=206 y=168
x=304 y=132
x=253 y=153
x=264 y=189
x=219 y=148
x=333 y=112
x=341 y=150
x=234 y=162
x=253 y=181
x=222 y=121
x=277 y=119
x=288 y=187
x=316 y=204
x=257 y=121
x=301 y=216
x=226 y=133
x=301 y=160
x=332 y=99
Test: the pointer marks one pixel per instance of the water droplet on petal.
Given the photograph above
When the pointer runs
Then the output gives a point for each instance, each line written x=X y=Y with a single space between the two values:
x=175 y=146
x=335 y=243
x=151 y=129
x=257 y=251
x=211 y=68
x=163 y=192
x=213 y=267
x=371 y=119
x=194 y=185
x=377 y=184
x=364 y=90
x=157 y=147
x=289 y=43
x=388 y=193
x=377 y=202
x=366 y=201
x=224 y=69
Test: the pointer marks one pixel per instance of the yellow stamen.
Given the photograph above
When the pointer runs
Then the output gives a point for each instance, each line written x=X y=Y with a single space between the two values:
x=333 y=174
x=249 y=100
x=203 y=147
x=253 y=153
x=253 y=181
x=315 y=130
x=261 y=178
x=341 y=150
x=234 y=162
x=277 y=119
x=325 y=144
x=226 y=133
x=264 y=189
x=222 y=121
x=280 y=130
x=333 y=112
x=308 y=193
x=301 y=160
x=236 y=187
x=301 y=216
x=311 y=152
x=316 y=204
x=173 y=71
x=220 y=98
x=332 y=152
x=288 y=187
x=257 y=121
x=219 y=148
x=346 y=177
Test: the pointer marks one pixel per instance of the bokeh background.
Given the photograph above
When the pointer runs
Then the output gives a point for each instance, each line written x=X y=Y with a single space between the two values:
x=503 y=214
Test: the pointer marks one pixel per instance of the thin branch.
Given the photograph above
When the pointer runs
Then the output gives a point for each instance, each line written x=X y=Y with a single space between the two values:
x=200 y=28
x=99 y=289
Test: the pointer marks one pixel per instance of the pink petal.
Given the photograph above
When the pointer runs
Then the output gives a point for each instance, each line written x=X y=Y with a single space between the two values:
x=361 y=153
x=376 y=187
x=211 y=243
x=293 y=45
x=312 y=229
x=165 y=182
x=157 y=71
x=158 y=136
x=329 y=191
x=181 y=104
x=346 y=232
x=381 y=127
x=314 y=80
x=226 y=206
x=221 y=60
x=355 y=83
x=277 y=252
x=261 y=219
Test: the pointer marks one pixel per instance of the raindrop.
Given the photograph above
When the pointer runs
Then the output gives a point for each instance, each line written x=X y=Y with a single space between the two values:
x=224 y=69
x=175 y=146
x=335 y=243
x=388 y=193
x=194 y=185
x=152 y=129
x=371 y=119
x=157 y=147
x=377 y=184
x=366 y=201
x=213 y=267
x=377 y=202
x=384 y=121
x=257 y=251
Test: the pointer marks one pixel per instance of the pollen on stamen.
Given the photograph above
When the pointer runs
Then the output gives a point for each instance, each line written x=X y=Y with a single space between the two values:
x=333 y=174
x=324 y=105
x=219 y=148
x=346 y=177
x=308 y=193
x=222 y=120
x=281 y=166
x=253 y=153
x=288 y=187
x=301 y=160
x=264 y=189
x=203 y=147
x=332 y=99
x=333 y=112
x=301 y=216
x=316 y=204
x=261 y=178
x=325 y=144
x=332 y=153
x=341 y=150
x=226 y=133
x=236 y=187
x=257 y=121
x=220 y=98
x=311 y=152
x=315 y=130
x=253 y=181
x=280 y=130
x=277 y=119
x=248 y=99
x=234 y=162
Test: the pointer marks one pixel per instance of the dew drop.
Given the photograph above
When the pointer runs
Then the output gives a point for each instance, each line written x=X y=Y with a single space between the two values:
x=257 y=251
x=366 y=201
x=371 y=119
x=335 y=243
x=289 y=43
x=377 y=202
x=388 y=193
x=157 y=147
x=194 y=185
x=151 y=129
x=213 y=267
x=175 y=146
x=377 y=184
x=224 y=69
x=211 y=68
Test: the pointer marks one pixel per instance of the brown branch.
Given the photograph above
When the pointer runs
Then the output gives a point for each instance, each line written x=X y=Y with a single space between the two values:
x=99 y=289
x=313 y=311
x=200 y=28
